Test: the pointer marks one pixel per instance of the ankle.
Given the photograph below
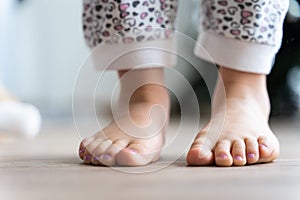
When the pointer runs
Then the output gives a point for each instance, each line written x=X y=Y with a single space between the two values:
x=246 y=87
x=230 y=76
x=243 y=83
x=144 y=86
x=151 y=93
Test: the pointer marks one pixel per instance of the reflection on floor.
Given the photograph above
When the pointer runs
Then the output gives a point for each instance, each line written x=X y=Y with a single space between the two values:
x=48 y=168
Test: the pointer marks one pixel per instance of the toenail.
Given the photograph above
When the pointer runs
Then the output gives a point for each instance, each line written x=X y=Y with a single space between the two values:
x=87 y=157
x=223 y=156
x=132 y=150
x=97 y=158
x=263 y=147
x=251 y=155
x=238 y=158
x=106 y=157
x=81 y=150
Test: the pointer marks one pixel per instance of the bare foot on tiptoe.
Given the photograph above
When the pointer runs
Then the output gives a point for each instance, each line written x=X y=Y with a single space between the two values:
x=245 y=137
x=119 y=144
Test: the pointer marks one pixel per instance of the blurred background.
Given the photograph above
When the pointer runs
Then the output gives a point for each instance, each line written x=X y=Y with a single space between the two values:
x=42 y=49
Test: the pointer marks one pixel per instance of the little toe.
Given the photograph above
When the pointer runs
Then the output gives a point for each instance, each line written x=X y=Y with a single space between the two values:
x=81 y=150
x=87 y=144
x=222 y=153
x=82 y=147
x=238 y=153
x=87 y=157
x=252 y=152
x=108 y=157
x=268 y=150
x=136 y=155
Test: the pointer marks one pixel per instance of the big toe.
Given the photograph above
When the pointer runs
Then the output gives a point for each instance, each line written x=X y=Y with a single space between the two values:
x=199 y=155
x=136 y=155
x=268 y=149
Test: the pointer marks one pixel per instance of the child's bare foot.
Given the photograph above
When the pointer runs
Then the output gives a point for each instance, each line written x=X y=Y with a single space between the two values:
x=246 y=137
x=119 y=144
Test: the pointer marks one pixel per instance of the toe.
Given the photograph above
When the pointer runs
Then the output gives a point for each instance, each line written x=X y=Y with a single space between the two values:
x=82 y=147
x=98 y=151
x=264 y=148
x=108 y=157
x=252 y=152
x=93 y=144
x=200 y=156
x=268 y=150
x=238 y=153
x=87 y=157
x=86 y=141
x=136 y=155
x=96 y=160
x=84 y=154
x=222 y=153
x=200 y=153
x=81 y=150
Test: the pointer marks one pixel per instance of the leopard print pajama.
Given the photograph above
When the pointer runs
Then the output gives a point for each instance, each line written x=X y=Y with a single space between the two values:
x=239 y=34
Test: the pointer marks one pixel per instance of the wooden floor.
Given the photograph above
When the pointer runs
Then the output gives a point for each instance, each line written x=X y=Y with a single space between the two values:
x=48 y=168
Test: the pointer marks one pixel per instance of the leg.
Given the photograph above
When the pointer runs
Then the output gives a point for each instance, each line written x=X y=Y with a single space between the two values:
x=246 y=137
x=122 y=28
x=137 y=137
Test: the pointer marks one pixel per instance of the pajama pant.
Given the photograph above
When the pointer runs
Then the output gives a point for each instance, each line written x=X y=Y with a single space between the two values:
x=244 y=35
